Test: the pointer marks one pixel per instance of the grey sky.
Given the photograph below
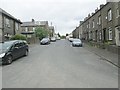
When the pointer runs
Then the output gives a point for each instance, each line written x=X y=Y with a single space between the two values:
x=64 y=14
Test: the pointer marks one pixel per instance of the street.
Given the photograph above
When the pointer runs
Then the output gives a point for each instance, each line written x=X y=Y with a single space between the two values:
x=59 y=65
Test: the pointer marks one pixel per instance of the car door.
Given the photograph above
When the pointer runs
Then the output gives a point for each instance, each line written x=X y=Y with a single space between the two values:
x=22 y=48
x=16 y=50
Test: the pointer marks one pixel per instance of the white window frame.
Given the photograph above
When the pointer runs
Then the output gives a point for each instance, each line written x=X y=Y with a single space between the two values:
x=93 y=37
x=110 y=33
x=100 y=35
x=26 y=29
x=17 y=26
x=99 y=20
x=87 y=25
x=117 y=13
x=93 y=24
x=33 y=29
x=109 y=15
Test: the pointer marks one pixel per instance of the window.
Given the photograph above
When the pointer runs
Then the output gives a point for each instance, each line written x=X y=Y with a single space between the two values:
x=119 y=36
x=89 y=35
x=7 y=22
x=110 y=34
x=100 y=37
x=26 y=29
x=93 y=24
x=17 y=45
x=109 y=15
x=99 y=20
x=16 y=26
x=89 y=24
x=33 y=29
x=117 y=13
x=93 y=35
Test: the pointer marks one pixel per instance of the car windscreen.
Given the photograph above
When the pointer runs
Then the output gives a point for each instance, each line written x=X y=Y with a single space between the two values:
x=45 y=39
x=77 y=40
x=5 y=46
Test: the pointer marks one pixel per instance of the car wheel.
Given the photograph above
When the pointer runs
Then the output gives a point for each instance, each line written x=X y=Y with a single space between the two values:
x=26 y=53
x=9 y=59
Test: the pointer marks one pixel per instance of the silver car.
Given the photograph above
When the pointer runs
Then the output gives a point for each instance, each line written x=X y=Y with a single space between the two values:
x=45 y=41
x=77 y=42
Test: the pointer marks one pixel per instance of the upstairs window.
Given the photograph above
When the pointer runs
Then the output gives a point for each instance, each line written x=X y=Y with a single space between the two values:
x=110 y=15
x=117 y=13
x=89 y=24
x=93 y=24
x=26 y=29
x=99 y=20
x=7 y=22
x=17 y=26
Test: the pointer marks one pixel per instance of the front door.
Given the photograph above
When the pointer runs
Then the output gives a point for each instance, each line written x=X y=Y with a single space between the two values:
x=117 y=36
x=104 y=35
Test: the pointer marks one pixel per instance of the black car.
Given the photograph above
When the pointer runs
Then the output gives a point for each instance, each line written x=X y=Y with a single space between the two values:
x=11 y=50
x=45 y=41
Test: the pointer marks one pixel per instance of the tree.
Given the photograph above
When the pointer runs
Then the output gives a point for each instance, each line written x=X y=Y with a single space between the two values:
x=63 y=37
x=41 y=32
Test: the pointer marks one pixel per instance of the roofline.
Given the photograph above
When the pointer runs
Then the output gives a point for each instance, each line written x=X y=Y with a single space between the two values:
x=94 y=14
x=10 y=16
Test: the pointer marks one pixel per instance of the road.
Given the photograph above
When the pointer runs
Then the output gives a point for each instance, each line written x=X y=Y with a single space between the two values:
x=59 y=65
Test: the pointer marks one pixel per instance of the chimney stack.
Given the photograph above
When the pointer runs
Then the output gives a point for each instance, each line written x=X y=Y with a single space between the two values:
x=33 y=20
x=101 y=6
x=96 y=10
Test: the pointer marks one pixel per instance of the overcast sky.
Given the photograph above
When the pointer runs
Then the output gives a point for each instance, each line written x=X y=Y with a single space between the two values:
x=64 y=14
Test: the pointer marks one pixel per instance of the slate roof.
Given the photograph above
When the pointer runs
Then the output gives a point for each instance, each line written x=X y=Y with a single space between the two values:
x=35 y=23
x=28 y=24
x=10 y=16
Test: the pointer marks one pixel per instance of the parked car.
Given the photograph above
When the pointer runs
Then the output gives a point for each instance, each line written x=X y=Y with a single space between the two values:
x=70 y=39
x=11 y=50
x=53 y=39
x=58 y=38
x=45 y=41
x=77 y=42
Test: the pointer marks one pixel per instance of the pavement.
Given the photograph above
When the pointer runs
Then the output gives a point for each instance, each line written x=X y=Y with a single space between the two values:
x=103 y=53
x=59 y=65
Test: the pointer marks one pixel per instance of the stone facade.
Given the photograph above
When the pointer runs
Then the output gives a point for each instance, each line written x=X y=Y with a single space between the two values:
x=102 y=26
x=9 y=25
x=28 y=29
x=52 y=31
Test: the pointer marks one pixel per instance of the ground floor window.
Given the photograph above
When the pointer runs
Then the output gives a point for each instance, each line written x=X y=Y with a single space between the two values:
x=90 y=35
x=110 y=33
x=93 y=36
x=0 y=35
x=100 y=36
x=119 y=36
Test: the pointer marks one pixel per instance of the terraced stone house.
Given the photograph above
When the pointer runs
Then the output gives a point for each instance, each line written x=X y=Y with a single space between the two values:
x=9 y=26
x=102 y=26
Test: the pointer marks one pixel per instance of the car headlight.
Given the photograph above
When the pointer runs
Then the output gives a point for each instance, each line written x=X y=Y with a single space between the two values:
x=2 y=55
